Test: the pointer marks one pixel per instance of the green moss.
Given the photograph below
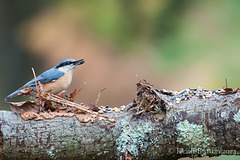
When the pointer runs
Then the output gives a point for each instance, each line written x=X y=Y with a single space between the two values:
x=134 y=138
x=237 y=117
x=192 y=135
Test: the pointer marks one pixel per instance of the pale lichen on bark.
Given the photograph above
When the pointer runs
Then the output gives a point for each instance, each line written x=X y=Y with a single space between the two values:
x=193 y=136
x=237 y=116
x=134 y=137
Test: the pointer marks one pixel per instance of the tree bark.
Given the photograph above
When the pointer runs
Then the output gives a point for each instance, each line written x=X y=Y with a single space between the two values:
x=153 y=129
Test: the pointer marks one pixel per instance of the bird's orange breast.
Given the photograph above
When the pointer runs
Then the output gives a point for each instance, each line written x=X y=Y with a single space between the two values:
x=58 y=85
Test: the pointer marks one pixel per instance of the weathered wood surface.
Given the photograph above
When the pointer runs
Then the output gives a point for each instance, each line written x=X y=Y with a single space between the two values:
x=212 y=125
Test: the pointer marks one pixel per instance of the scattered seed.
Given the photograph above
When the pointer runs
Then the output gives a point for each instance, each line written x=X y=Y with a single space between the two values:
x=199 y=89
x=178 y=100
x=117 y=110
x=183 y=97
x=214 y=91
x=170 y=93
x=183 y=92
x=190 y=92
x=208 y=96
x=122 y=107
x=173 y=98
x=194 y=92
x=108 y=109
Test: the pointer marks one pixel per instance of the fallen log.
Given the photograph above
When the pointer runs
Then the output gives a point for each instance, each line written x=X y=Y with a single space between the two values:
x=154 y=126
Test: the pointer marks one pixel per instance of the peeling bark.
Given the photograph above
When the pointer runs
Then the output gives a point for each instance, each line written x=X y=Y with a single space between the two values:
x=194 y=127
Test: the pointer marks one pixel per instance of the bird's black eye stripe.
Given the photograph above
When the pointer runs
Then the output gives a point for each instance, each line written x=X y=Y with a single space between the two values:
x=64 y=64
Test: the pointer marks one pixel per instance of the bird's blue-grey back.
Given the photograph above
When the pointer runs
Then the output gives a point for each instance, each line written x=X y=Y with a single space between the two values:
x=45 y=77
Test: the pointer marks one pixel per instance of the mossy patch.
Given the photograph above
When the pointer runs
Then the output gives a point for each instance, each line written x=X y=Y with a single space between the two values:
x=237 y=117
x=192 y=136
x=134 y=138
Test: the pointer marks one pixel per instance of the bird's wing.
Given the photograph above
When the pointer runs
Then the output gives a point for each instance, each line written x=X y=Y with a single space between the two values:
x=45 y=77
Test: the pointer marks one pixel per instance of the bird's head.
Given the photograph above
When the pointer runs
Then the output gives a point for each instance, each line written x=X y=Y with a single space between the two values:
x=68 y=65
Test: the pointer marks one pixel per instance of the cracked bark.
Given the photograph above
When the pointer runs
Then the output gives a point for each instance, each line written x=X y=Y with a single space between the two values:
x=67 y=138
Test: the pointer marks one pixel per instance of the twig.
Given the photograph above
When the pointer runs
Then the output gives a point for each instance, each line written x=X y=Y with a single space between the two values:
x=57 y=99
x=226 y=82
x=99 y=95
x=144 y=110
x=156 y=92
x=35 y=80
x=139 y=105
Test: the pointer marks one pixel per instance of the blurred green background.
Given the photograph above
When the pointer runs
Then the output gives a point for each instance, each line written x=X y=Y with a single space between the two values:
x=174 y=44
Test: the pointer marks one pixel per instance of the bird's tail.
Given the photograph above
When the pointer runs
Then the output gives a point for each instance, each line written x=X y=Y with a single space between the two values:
x=14 y=94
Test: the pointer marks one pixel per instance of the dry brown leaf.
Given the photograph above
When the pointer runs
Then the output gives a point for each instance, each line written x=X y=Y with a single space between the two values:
x=112 y=120
x=50 y=106
x=228 y=90
x=64 y=114
x=109 y=125
x=62 y=111
x=31 y=115
x=74 y=94
x=52 y=115
x=93 y=107
x=25 y=91
x=21 y=107
x=85 y=118
x=47 y=115
x=38 y=117
x=236 y=90
x=101 y=118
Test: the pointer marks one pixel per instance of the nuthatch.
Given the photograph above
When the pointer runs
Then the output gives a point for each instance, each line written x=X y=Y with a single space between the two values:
x=54 y=80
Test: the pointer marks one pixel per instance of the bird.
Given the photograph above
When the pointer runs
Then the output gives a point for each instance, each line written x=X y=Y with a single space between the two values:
x=54 y=80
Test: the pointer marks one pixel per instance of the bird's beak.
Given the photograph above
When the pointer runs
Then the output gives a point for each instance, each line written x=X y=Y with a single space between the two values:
x=81 y=61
